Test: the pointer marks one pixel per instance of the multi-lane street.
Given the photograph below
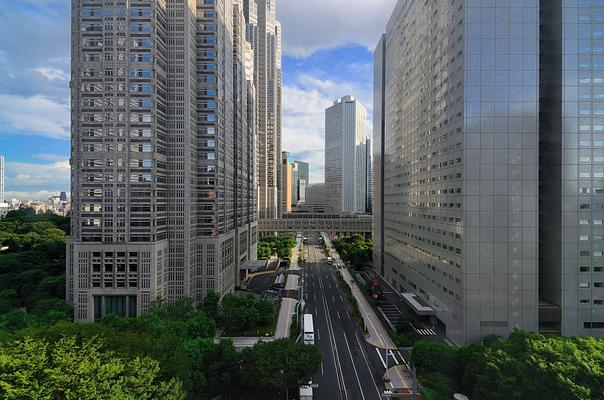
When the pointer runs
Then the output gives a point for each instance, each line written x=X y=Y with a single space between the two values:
x=351 y=368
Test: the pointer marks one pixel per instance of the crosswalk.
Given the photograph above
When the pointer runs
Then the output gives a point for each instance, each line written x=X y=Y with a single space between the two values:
x=392 y=314
x=425 y=331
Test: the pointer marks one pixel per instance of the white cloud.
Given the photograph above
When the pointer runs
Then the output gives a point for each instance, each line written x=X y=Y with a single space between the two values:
x=36 y=181
x=309 y=25
x=37 y=115
x=52 y=74
x=49 y=157
x=304 y=105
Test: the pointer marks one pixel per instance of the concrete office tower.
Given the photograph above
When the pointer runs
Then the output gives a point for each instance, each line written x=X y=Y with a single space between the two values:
x=302 y=181
x=315 y=197
x=345 y=157
x=264 y=33
x=572 y=168
x=163 y=183
x=294 y=185
x=456 y=162
x=286 y=183
x=2 y=179
x=369 y=179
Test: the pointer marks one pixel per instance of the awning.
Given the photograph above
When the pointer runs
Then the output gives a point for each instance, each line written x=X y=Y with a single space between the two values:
x=417 y=304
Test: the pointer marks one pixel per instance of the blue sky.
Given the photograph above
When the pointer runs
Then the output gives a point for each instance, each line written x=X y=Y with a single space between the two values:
x=326 y=54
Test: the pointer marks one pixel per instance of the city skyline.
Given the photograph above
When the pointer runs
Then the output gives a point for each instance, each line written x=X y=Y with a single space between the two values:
x=318 y=66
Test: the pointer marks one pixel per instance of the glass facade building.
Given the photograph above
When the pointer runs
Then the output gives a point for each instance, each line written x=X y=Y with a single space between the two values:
x=457 y=162
x=489 y=163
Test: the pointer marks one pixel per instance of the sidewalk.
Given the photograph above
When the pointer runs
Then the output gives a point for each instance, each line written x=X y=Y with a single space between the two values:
x=378 y=336
x=288 y=305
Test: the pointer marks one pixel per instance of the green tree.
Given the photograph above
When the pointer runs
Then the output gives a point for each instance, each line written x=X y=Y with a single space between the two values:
x=211 y=305
x=35 y=369
x=270 y=367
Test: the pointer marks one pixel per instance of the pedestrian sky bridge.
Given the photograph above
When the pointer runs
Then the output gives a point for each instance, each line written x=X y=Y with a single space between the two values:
x=303 y=222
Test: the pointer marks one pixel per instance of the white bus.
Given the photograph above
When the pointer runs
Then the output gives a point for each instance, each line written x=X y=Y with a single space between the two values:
x=306 y=391
x=308 y=329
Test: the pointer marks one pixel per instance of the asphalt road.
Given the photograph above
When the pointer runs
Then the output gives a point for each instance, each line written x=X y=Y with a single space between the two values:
x=351 y=368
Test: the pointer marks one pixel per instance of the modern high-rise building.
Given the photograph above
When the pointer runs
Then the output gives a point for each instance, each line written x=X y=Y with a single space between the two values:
x=264 y=34
x=294 y=185
x=456 y=132
x=302 y=181
x=2 y=200
x=345 y=157
x=163 y=153
x=369 y=176
x=315 y=197
x=488 y=178
x=286 y=183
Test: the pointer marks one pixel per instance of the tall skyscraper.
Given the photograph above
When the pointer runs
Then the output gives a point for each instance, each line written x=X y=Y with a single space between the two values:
x=2 y=199
x=459 y=148
x=294 y=184
x=302 y=181
x=369 y=178
x=264 y=33
x=163 y=144
x=286 y=183
x=345 y=157
x=488 y=169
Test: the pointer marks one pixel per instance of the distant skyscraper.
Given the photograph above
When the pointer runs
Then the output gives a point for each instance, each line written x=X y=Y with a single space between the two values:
x=315 y=197
x=302 y=181
x=294 y=185
x=369 y=179
x=63 y=196
x=345 y=157
x=2 y=179
x=264 y=33
x=163 y=155
x=286 y=183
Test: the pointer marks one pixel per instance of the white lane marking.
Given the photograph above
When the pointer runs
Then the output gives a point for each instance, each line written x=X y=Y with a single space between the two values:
x=341 y=298
x=322 y=368
x=393 y=356
x=338 y=314
x=356 y=336
x=381 y=358
x=334 y=298
x=318 y=335
x=354 y=366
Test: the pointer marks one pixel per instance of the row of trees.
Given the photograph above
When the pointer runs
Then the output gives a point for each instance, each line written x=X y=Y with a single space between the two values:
x=283 y=245
x=32 y=270
x=355 y=249
x=169 y=352
x=524 y=366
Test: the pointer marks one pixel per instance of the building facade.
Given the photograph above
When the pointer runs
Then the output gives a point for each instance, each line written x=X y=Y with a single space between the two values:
x=369 y=177
x=286 y=183
x=163 y=144
x=264 y=33
x=456 y=135
x=302 y=181
x=315 y=198
x=345 y=157
x=571 y=277
x=2 y=199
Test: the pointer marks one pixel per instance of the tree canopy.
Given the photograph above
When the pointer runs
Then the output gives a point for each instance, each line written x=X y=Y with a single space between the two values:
x=68 y=370
x=524 y=366
x=355 y=249
x=283 y=244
